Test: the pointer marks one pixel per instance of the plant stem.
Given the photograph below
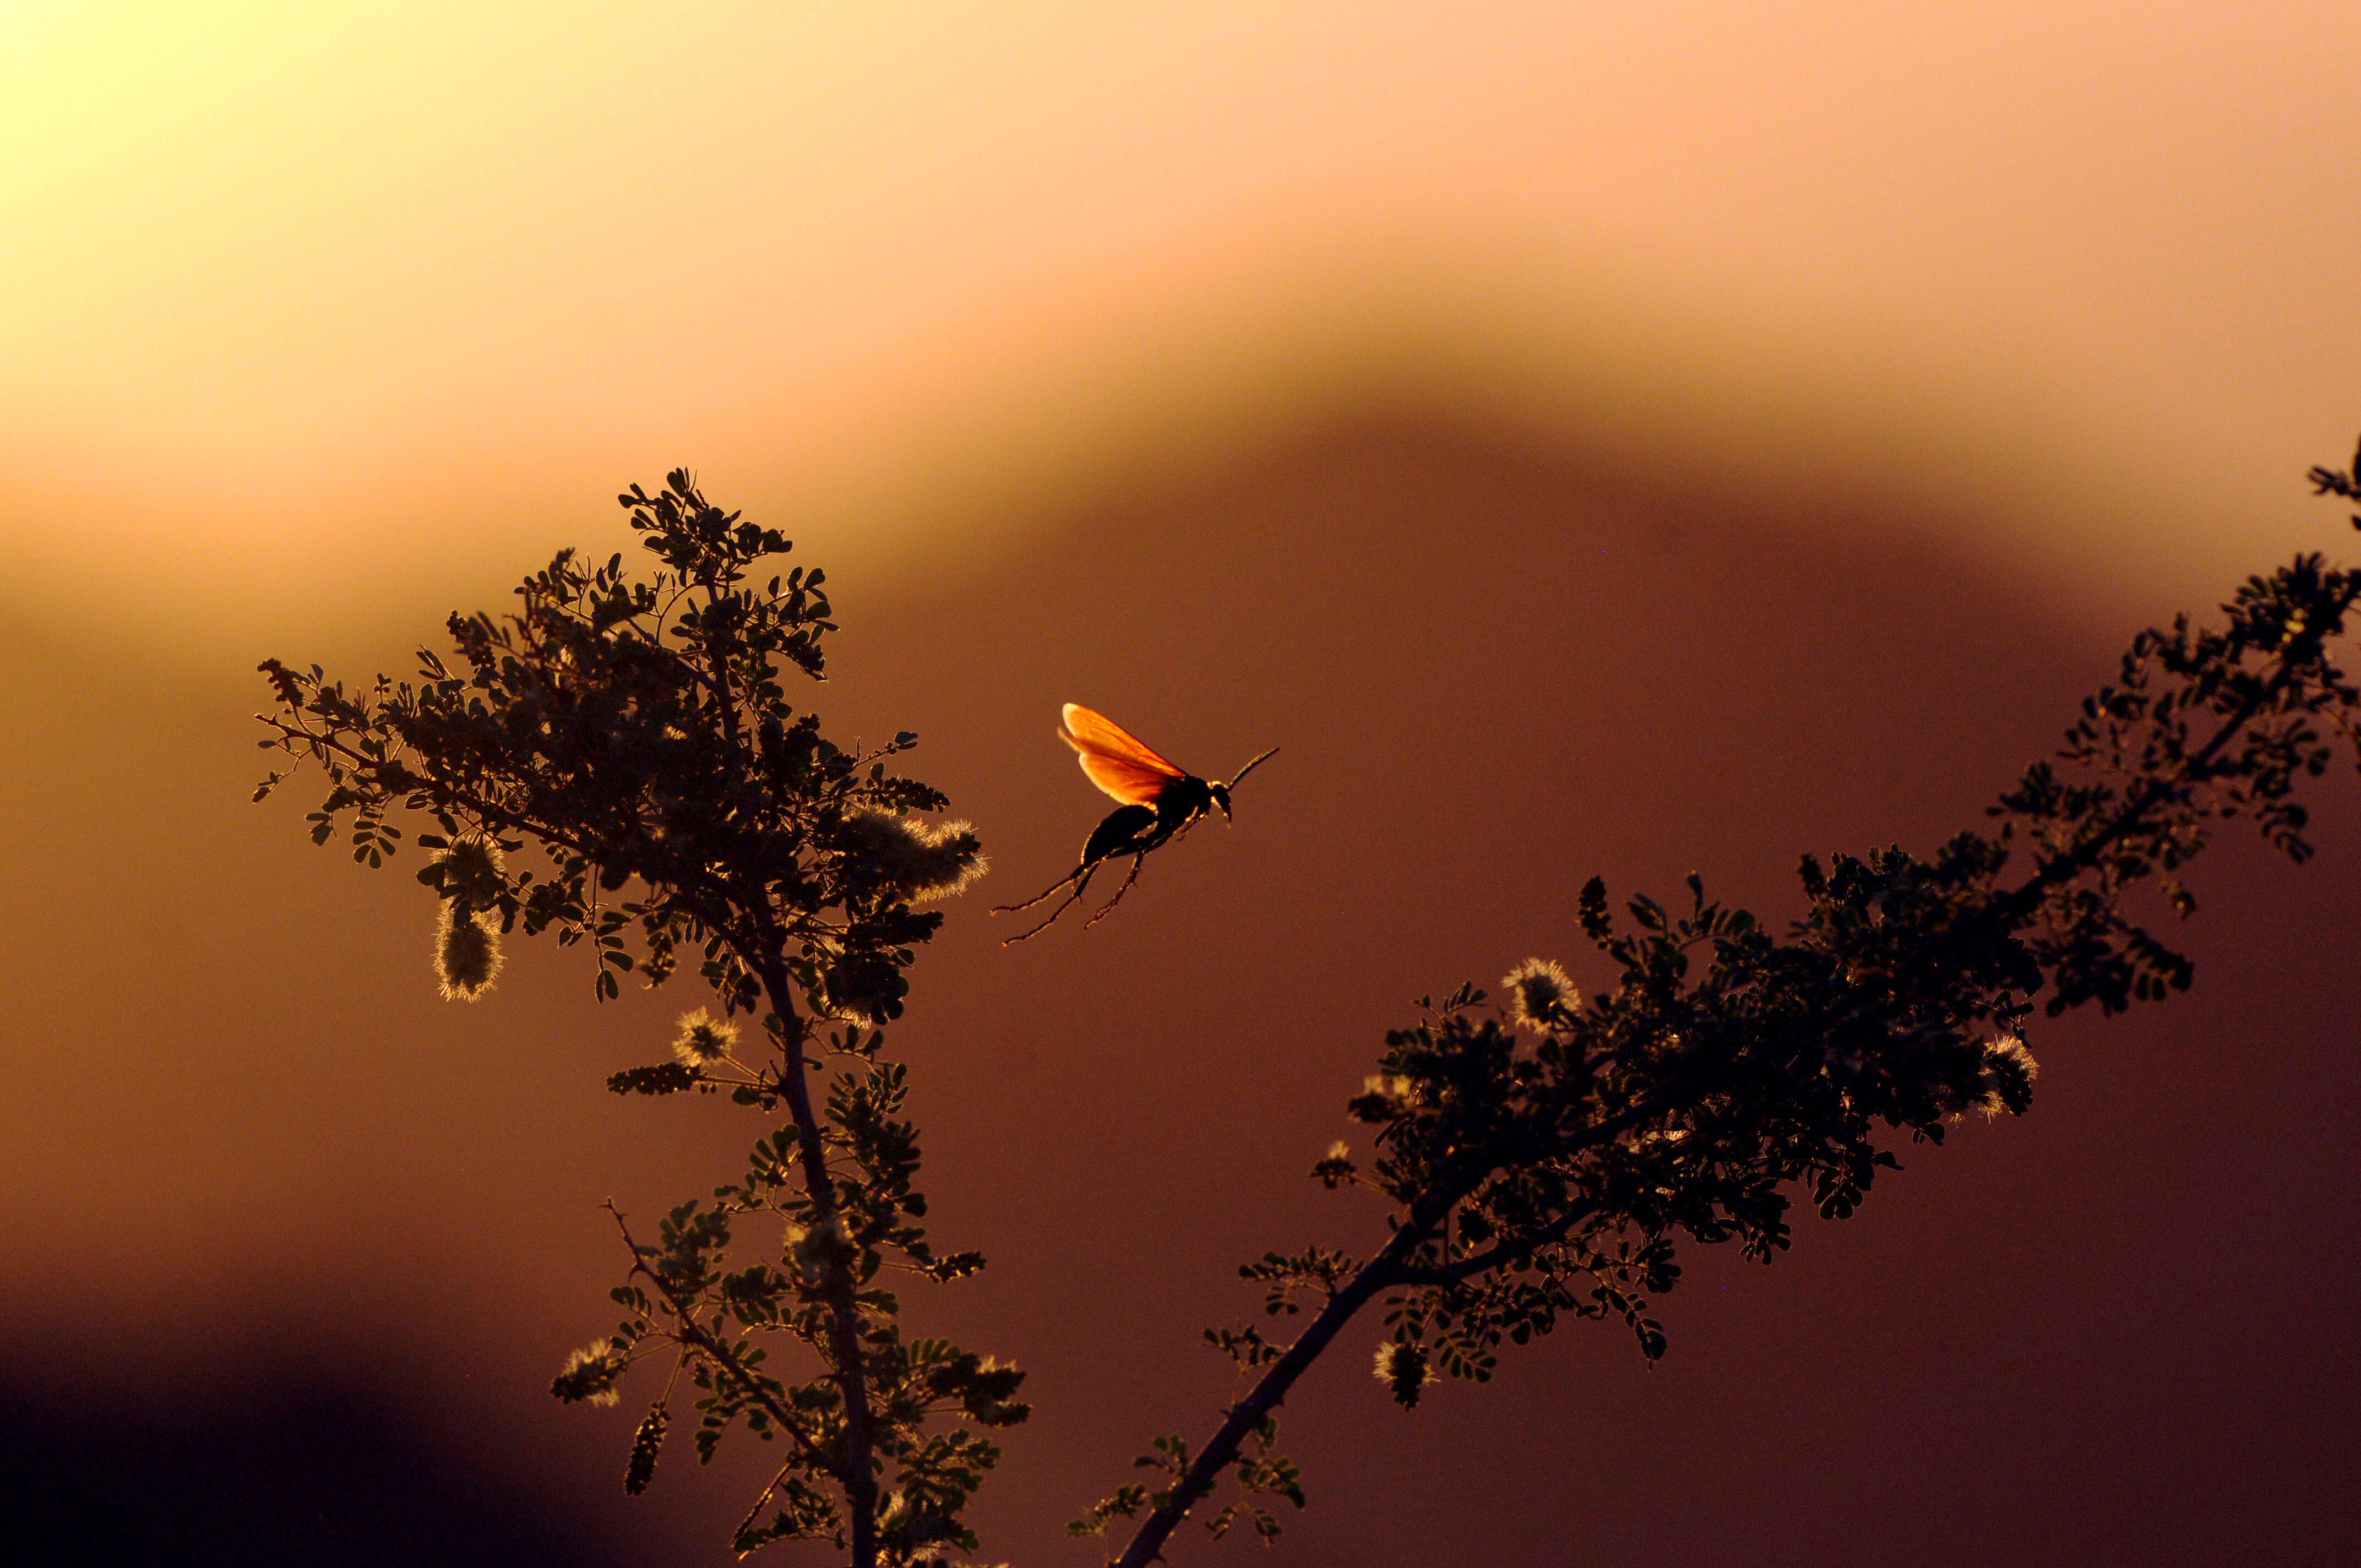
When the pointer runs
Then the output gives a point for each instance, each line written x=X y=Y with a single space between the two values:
x=844 y=1312
x=687 y=1326
x=1249 y=1413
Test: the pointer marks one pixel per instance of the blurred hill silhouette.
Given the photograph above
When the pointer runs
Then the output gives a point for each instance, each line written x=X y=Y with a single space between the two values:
x=1494 y=670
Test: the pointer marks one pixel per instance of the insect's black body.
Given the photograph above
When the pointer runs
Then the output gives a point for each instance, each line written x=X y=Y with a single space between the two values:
x=1125 y=827
x=1135 y=830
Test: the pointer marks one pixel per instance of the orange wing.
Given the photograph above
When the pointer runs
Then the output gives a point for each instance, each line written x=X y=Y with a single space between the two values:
x=1114 y=758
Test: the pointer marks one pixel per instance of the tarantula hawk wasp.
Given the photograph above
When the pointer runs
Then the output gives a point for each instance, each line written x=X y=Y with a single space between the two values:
x=1160 y=802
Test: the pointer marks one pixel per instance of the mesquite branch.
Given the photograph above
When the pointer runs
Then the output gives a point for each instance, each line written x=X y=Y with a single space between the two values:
x=1900 y=1001
x=637 y=733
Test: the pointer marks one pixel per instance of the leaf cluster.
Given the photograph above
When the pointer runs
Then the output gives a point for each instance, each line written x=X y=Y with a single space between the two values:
x=636 y=731
x=1547 y=1172
x=1265 y=1473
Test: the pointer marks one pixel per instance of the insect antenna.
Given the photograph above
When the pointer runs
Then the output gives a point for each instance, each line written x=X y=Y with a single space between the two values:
x=1250 y=767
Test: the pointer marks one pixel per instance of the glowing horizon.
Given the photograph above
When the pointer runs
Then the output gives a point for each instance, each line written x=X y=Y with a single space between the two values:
x=296 y=292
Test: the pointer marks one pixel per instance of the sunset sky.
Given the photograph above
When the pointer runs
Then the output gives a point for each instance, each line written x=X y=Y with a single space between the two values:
x=1608 y=437
x=294 y=289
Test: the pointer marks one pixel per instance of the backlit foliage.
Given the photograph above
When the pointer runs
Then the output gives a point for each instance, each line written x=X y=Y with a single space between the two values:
x=637 y=733
x=1540 y=1162
x=1541 y=1167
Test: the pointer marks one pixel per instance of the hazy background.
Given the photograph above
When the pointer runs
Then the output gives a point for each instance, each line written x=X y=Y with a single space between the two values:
x=1628 y=439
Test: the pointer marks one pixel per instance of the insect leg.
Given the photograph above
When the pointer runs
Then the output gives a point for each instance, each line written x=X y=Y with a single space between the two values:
x=1081 y=880
x=1077 y=878
x=1109 y=907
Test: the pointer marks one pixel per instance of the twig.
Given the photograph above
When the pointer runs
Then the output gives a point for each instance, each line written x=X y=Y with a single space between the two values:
x=690 y=1330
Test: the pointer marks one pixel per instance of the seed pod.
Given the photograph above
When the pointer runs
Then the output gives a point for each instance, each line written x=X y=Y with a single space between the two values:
x=642 y=1469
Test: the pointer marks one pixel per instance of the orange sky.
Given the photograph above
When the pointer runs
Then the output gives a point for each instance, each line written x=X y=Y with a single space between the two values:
x=289 y=290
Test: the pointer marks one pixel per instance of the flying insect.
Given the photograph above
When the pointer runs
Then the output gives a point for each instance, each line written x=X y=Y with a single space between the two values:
x=1159 y=801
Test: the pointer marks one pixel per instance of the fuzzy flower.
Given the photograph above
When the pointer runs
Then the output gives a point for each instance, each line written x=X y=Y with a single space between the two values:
x=1541 y=997
x=1390 y=1096
x=921 y=860
x=1403 y=1370
x=2006 y=1081
x=823 y=1253
x=704 y=1038
x=1335 y=1167
x=590 y=1373
x=466 y=952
